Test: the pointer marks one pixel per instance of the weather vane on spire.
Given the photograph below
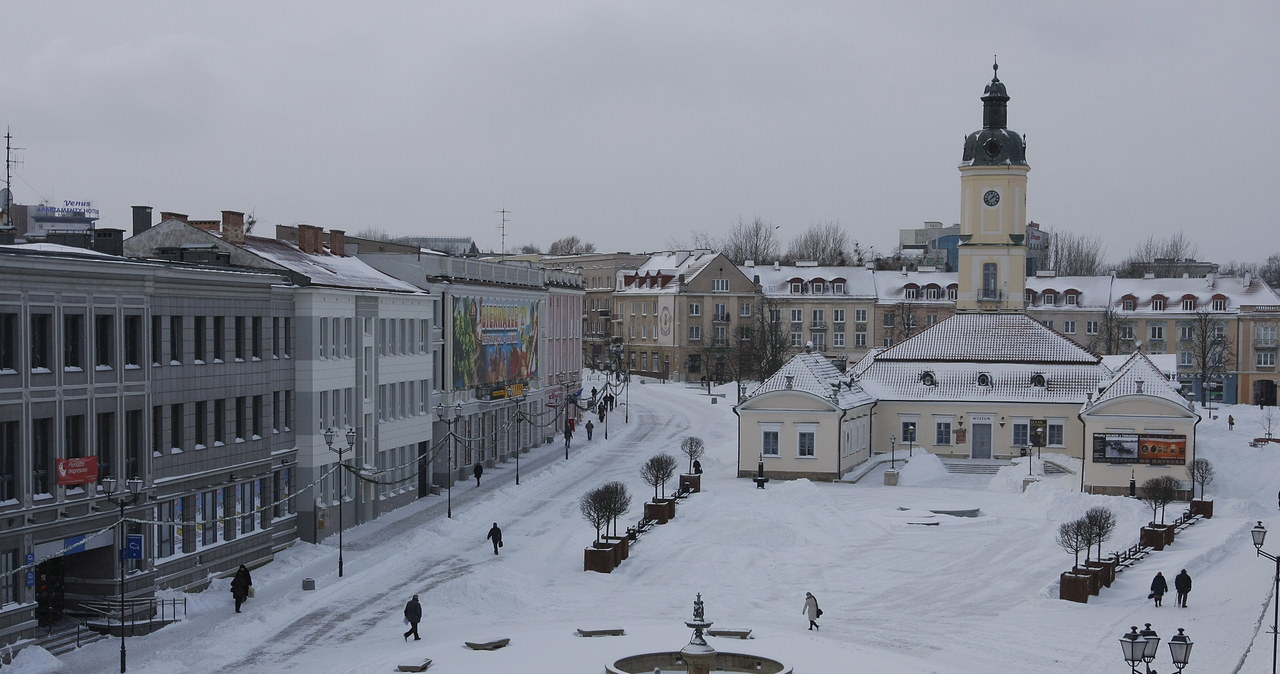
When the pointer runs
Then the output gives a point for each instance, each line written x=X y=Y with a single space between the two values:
x=995 y=67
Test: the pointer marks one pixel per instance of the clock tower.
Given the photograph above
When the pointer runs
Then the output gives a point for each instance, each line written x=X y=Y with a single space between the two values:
x=993 y=211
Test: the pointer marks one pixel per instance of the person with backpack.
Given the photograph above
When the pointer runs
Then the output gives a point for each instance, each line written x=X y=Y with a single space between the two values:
x=812 y=611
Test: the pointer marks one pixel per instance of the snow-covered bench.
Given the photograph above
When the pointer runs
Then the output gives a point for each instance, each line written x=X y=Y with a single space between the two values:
x=487 y=645
x=415 y=668
x=736 y=632
x=602 y=632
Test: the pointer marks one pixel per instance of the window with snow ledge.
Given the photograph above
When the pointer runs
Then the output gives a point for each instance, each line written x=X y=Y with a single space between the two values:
x=41 y=370
x=198 y=362
x=102 y=368
x=175 y=450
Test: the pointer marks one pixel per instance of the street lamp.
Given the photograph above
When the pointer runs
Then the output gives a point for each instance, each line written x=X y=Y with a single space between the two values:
x=329 y=435
x=1259 y=534
x=1141 y=646
x=1180 y=649
x=442 y=413
x=893 y=443
x=911 y=439
x=134 y=490
x=520 y=399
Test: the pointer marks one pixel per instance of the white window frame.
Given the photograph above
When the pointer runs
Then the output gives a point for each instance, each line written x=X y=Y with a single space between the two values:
x=1091 y=327
x=860 y=339
x=1069 y=327
x=859 y=315
x=1265 y=358
x=695 y=308
x=797 y=288
x=720 y=285
x=810 y=430
x=767 y=428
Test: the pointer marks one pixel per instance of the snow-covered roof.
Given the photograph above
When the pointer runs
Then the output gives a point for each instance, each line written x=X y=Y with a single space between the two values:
x=665 y=268
x=1140 y=376
x=325 y=269
x=1004 y=382
x=891 y=286
x=56 y=248
x=996 y=338
x=1106 y=291
x=776 y=280
x=812 y=373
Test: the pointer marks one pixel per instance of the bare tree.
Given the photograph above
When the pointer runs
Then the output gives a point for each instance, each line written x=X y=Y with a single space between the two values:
x=1100 y=524
x=1211 y=351
x=1073 y=254
x=373 y=234
x=1270 y=271
x=906 y=321
x=1106 y=340
x=825 y=243
x=1268 y=422
x=698 y=239
x=755 y=240
x=570 y=245
x=618 y=501
x=1073 y=537
x=1157 y=493
x=530 y=249
x=770 y=343
x=693 y=448
x=595 y=508
x=1201 y=473
x=1165 y=257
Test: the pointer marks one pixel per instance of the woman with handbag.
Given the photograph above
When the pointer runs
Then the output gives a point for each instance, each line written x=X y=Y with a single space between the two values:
x=241 y=586
x=812 y=611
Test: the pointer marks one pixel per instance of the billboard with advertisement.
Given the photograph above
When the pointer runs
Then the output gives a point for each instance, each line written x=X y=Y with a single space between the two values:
x=494 y=341
x=1149 y=448
x=77 y=471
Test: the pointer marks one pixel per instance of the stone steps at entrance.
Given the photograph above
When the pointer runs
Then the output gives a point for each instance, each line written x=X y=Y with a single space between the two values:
x=993 y=466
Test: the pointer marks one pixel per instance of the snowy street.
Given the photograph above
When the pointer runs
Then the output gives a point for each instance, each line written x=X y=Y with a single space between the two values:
x=969 y=595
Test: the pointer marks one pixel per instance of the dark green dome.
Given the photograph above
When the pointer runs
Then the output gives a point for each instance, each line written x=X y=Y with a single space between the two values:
x=995 y=144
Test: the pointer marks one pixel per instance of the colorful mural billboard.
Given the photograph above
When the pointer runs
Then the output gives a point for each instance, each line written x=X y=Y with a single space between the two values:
x=494 y=341
x=1150 y=448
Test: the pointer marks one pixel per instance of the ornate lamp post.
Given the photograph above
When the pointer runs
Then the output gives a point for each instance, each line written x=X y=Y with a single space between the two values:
x=1141 y=646
x=911 y=439
x=893 y=443
x=128 y=498
x=443 y=414
x=1259 y=534
x=329 y=435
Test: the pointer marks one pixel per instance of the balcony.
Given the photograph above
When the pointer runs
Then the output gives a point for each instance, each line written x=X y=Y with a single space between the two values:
x=818 y=325
x=838 y=326
x=1265 y=342
x=990 y=295
x=720 y=318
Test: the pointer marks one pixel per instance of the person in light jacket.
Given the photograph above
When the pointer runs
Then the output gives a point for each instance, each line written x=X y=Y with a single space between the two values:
x=811 y=610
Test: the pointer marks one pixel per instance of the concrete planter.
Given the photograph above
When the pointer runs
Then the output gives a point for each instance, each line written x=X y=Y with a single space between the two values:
x=600 y=560
x=1073 y=587
x=691 y=483
x=1202 y=508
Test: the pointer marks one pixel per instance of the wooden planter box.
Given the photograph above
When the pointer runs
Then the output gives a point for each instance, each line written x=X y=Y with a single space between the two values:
x=1073 y=587
x=600 y=560
x=620 y=544
x=1107 y=567
x=656 y=512
x=1094 y=576
x=1202 y=508
x=1156 y=536
x=691 y=483
x=670 y=503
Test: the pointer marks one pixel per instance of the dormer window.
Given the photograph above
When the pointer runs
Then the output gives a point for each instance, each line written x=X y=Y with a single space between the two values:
x=932 y=292
x=1031 y=297
x=797 y=287
x=1188 y=304
x=1050 y=299
x=1219 y=304
x=1157 y=304
x=984 y=379
x=1072 y=299
x=928 y=379
x=952 y=292
x=837 y=288
x=1127 y=304
x=1037 y=380
x=818 y=287
x=911 y=293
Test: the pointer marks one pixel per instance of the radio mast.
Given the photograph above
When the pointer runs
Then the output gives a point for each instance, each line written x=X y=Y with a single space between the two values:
x=502 y=228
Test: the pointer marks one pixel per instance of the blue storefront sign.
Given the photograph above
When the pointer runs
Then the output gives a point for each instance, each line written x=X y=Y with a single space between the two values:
x=133 y=546
x=31 y=572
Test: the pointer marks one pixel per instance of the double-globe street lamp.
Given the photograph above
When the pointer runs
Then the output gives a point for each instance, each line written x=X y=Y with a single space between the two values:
x=1141 y=646
x=329 y=435
x=1259 y=534
x=127 y=498
x=450 y=416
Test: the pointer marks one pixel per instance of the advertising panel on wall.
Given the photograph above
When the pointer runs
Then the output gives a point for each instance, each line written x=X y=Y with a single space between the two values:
x=77 y=471
x=494 y=341
x=1149 y=448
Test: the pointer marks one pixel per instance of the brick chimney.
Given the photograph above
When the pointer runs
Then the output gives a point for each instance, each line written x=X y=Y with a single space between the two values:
x=309 y=239
x=206 y=225
x=170 y=215
x=338 y=242
x=233 y=227
x=141 y=219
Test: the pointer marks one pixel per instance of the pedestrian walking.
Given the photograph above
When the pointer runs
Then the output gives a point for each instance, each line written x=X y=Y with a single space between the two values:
x=412 y=616
x=601 y=411
x=1182 y=583
x=568 y=437
x=590 y=427
x=697 y=467
x=1231 y=422
x=478 y=471
x=812 y=611
x=1159 y=586
x=495 y=535
x=608 y=400
x=241 y=585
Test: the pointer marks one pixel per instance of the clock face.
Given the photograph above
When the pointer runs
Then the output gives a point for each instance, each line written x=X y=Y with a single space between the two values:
x=991 y=198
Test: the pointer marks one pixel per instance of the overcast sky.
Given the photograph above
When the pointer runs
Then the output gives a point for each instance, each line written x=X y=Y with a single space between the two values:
x=631 y=124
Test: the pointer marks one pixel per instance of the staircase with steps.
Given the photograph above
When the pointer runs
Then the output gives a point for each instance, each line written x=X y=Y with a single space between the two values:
x=993 y=466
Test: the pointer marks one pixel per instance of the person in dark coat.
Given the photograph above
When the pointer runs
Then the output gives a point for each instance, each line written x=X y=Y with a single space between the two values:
x=240 y=585
x=478 y=471
x=590 y=427
x=1159 y=586
x=1231 y=423
x=1182 y=583
x=568 y=436
x=697 y=467
x=495 y=535
x=413 y=616
x=601 y=410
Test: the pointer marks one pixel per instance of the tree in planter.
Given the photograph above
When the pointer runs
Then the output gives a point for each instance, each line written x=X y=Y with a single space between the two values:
x=1100 y=523
x=618 y=500
x=693 y=448
x=1073 y=537
x=1201 y=473
x=1157 y=493
x=596 y=508
x=657 y=471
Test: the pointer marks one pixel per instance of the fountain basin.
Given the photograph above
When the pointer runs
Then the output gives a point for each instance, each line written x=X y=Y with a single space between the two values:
x=674 y=661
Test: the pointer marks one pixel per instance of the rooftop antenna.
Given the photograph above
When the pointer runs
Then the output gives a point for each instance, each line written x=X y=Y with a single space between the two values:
x=6 y=195
x=503 y=228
